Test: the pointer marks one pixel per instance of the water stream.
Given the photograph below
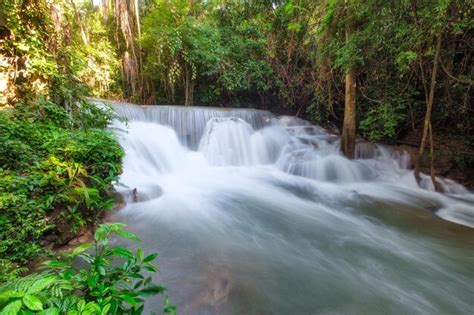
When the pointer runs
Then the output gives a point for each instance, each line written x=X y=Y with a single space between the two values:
x=257 y=214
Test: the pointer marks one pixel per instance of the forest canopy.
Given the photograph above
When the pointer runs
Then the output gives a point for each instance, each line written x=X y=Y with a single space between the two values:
x=285 y=56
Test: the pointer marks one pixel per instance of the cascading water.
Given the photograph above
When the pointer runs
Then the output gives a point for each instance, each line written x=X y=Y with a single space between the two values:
x=257 y=215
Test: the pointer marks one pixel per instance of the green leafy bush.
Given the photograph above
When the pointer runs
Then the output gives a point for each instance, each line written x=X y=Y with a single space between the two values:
x=381 y=122
x=56 y=171
x=103 y=286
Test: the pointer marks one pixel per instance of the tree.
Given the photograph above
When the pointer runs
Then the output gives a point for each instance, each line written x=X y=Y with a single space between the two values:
x=349 y=125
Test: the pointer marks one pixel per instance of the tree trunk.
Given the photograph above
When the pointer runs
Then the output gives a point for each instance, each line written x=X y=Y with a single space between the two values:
x=432 y=168
x=137 y=17
x=125 y=17
x=78 y=18
x=349 y=126
x=427 y=124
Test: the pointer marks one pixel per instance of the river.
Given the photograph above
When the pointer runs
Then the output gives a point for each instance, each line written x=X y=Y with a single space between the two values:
x=257 y=214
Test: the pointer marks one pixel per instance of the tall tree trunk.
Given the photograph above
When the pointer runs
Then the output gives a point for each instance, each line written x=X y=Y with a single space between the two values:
x=137 y=17
x=78 y=18
x=128 y=24
x=427 y=124
x=349 y=126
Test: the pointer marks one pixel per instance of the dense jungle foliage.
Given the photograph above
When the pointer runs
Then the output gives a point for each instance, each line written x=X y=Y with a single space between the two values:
x=55 y=176
x=392 y=71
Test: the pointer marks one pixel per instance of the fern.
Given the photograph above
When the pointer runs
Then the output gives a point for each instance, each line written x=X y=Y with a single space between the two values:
x=100 y=288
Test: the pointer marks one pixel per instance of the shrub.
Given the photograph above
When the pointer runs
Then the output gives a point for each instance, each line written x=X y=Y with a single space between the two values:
x=55 y=169
x=103 y=286
x=381 y=122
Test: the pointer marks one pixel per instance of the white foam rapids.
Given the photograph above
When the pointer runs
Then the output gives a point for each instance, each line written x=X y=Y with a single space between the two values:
x=255 y=214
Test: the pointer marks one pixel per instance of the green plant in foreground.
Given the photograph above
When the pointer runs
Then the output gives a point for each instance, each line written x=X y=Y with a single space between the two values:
x=112 y=281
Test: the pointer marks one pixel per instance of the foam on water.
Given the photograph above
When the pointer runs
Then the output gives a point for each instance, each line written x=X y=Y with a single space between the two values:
x=257 y=214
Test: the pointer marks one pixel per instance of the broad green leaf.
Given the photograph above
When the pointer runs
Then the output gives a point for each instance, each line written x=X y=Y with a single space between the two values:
x=123 y=252
x=105 y=310
x=12 y=308
x=50 y=311
x=33 y=302
x=81 y=248
x=113 y=226
x=150 y=257
x=128 y=235
x=130 y=300
x=41 y=284
x=91 y=308
x=101 y=270
x=81 y=305
x=136 y=276
x=101 y=234
x=139 y=254
x=55 y=263
x=5 y=295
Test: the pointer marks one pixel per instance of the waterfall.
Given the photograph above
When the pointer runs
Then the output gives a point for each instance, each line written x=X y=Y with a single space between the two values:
x=254 y=213
x=189 y=123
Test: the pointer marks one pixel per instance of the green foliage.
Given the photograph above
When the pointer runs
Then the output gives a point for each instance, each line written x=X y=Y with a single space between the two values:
x=112 y=281
x=462 y=161
x=48 y=53
x=381 y=122
x=194 y=46
x=55 y=173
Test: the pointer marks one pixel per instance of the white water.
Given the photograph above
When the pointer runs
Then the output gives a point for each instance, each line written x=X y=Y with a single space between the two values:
x=252 y=214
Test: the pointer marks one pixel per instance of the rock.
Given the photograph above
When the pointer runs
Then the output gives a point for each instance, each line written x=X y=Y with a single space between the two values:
x=146 y=193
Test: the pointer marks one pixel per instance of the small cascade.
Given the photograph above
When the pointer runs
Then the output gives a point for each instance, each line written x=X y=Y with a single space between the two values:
x=190 y=122
x=152 y=151
x=227 y=141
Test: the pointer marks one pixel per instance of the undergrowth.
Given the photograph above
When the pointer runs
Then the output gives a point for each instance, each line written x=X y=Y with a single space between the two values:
x=57 y=168
x=112 y=281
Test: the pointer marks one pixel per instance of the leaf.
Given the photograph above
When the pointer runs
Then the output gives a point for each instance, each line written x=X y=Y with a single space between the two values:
x=33 y=302
x=81 y=248
x=170 y=309
x=105 y=310
x=10 y=294
x=152 y=290
x=55 y=263
x=91 y=308
x=12 y=308
x=139 y=254
x=122 y=252
x=128 y=235
x=101 y=270
x=101 y=234
x=41 y=284
x=130 y=300
x=150 y=257
x=50 y=311
x=140 y=310
x=150 y=267
x=113 y=226
x=93 y=279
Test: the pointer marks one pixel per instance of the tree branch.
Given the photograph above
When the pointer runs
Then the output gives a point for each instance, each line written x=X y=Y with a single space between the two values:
x=451 y=76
